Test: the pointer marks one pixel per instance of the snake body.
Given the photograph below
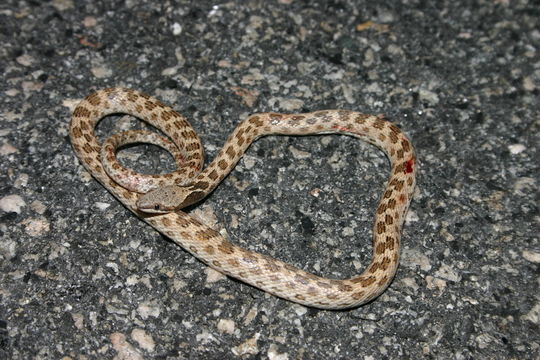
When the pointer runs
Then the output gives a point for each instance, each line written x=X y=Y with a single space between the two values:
x=191 y=185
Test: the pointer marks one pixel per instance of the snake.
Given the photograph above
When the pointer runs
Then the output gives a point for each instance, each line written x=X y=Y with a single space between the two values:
x=158 y=199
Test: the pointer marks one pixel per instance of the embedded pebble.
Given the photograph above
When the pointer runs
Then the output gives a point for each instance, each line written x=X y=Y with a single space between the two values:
x=448 y=273
x=213 y=276
x=125 y=350
x=36 y=226
x=12 y=203
x=226 y=326
x=147 y=309
x=7 y=149
x=516 y=148
x=144 y=340
x=531 y=256
x=248 y=347
x=412 y=257
x=101 y=205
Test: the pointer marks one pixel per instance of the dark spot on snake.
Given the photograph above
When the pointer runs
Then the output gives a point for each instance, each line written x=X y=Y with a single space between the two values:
x=222 y=164
x=373 y=268
x=380 y=249
x=405 y=145
x=385 y=263
x=230 y=151
x=324 y=285
x=213 y=175
x=378 y=123
x=301 y=279
x=345 y=287
x=226 y=247
x=383 y=280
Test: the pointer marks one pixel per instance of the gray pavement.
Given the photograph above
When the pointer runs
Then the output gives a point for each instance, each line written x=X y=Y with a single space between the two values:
x=82 y=278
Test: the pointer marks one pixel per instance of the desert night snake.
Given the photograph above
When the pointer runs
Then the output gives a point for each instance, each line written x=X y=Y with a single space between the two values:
x=190 y=184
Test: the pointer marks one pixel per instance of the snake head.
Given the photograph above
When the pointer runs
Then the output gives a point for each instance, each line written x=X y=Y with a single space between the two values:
x=168 y=198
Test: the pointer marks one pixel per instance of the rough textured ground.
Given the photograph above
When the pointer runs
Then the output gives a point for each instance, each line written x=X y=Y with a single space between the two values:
x=82 y=278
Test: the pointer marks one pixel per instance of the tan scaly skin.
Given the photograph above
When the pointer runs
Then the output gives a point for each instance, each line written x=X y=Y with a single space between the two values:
x=264 y=272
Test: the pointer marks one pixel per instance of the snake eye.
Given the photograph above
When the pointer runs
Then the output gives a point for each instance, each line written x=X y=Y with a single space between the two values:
x=156 y=207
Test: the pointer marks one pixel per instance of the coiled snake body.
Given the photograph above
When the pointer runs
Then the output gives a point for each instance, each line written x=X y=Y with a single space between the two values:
x=189 y=185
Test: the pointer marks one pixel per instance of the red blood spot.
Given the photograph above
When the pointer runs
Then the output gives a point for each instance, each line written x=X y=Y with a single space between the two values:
x=340 y=128
x=409 y=166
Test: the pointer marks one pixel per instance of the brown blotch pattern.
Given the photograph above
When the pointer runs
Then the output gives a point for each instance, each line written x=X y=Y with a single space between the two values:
x=274 y=116
x=361 y=118
x=222 y=164
x=383 y=280
x=207 y=234
x=381 y=228
x=378 y=124
x=399 y=185
x=149 y=105
x=233 y=262
x=250 y=258
x=393 y=137
x=81 y=111
x=213 y=175
x=200 y=185
x=271 y=266
x=209 y=249
x=405 y=144
x=385 y=263
x=312 y=291
x=226 y=247
x=368 y=281
x=390 y=243
x=94 y=99
x=380 y=248
x=256 y=121
x=290 y=267
x=230 y=152
x=345 y=287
